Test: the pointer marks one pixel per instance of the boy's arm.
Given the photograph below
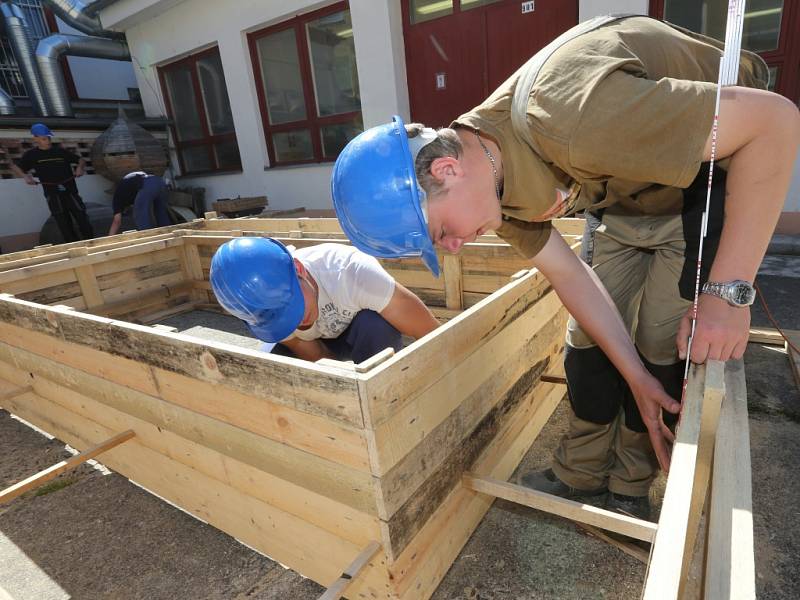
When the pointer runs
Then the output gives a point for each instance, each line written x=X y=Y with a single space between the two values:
x=588 y=301
x=760 y=132
x=406 y=313
x=23 y=174
x=115 y=224
x=311 y=350
x=80 y=171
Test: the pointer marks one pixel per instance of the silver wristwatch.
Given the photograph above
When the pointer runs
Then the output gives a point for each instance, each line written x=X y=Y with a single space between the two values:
x=736 y=293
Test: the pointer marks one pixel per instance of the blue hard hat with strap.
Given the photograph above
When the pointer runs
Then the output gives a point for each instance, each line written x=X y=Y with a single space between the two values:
x=377 y=197
x=255 y=280
x=41 y=130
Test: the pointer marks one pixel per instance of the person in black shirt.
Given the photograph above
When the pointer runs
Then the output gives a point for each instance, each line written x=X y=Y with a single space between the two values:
x=146 y=193
x=53 y=166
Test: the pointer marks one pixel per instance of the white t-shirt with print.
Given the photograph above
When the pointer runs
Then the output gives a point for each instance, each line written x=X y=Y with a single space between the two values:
x=349 y=281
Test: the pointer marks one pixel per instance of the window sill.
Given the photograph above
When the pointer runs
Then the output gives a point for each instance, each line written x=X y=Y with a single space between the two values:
x=298 y=165
x=209 y=174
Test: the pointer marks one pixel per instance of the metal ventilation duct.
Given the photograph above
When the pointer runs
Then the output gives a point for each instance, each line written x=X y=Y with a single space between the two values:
x=22 y=45
x=54 y=46
x=7 y=106
x=76 y=14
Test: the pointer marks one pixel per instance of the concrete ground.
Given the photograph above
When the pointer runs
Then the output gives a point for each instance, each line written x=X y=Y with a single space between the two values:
x=91 y=535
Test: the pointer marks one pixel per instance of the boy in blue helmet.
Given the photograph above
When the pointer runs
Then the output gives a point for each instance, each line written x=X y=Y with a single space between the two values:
x=615 y=121
x=53 y=166
x=323 y=301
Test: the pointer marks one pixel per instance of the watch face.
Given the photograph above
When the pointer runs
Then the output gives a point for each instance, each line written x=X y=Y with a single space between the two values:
x=743 y=294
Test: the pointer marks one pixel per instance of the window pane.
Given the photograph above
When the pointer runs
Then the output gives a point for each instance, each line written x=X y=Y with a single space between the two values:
x=184 y=104
x=196 y=159
x=467 y=4
x=762 y=20
x=215 y=94
x=333 y=62
x=280 y=71
x=227 y=155
x=425 y=10
x=335 y=137
x=291 y=146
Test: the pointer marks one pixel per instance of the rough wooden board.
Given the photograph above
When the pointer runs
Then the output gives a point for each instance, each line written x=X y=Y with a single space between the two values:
x=292 y=541
x=420 y=568
x=339 y=587
x=730 y=568
x=446 y=347
x=415 y=512
x=340 y=483
x=687 y=482
x=439 y=440
x=298 y=384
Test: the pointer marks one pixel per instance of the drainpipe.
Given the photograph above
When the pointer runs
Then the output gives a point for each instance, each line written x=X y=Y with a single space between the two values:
x=22 y=46
x=92 y=8
x=7 y=106
x=51 y=48
x=75 y=14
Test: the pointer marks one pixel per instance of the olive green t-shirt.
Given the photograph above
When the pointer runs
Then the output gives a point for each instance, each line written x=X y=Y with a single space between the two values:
x=618 y=115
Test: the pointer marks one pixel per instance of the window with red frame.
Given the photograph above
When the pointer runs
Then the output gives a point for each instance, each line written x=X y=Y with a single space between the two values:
x=307 y=82
x=202 y=123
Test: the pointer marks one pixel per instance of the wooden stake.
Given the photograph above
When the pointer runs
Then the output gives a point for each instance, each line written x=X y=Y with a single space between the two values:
x=50 y=473
x=628 y=548
x=582 y=513
x=554 y=379
x=339 y=587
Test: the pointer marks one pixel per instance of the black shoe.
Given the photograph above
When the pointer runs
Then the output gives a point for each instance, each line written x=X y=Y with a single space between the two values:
x=546 y=481
x=632 y=506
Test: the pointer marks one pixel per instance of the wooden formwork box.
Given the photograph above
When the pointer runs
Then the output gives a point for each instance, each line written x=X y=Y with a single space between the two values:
x=306 y=462
x=310 y=463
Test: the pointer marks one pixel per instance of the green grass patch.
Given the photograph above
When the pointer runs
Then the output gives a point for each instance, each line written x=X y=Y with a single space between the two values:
x=54 y=486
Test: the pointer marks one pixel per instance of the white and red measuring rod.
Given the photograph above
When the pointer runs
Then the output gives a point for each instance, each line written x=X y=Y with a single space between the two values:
x=728 y=75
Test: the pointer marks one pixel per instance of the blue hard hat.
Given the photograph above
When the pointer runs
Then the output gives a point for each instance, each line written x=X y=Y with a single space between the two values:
x=255 y=280
x=40 y=129
x=377 y=196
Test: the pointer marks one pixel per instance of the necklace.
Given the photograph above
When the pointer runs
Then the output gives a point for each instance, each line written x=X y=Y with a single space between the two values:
x=494 y=165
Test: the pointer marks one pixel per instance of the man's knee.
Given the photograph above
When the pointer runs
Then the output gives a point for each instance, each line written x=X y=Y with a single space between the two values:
x=595 y=386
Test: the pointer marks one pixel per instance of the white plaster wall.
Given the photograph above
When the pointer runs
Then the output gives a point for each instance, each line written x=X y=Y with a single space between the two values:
x=97 y=78
x=380 y=61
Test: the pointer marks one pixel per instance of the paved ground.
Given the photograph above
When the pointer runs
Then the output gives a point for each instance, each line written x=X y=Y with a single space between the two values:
x=92 y=535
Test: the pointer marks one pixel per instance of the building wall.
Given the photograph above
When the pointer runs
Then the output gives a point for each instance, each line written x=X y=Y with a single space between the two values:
x=381 y=70
x=159 y=32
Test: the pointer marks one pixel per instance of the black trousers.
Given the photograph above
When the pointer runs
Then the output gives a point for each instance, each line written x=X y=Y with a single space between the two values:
x=68 y=209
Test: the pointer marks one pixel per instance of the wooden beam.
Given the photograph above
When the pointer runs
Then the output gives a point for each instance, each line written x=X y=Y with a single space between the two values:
x=582 y=513
x=87 y=279
x=730 y=568
x=453 y=282
x=628 y=548
x=339 y=587
x=57 y=469
x=763 y=335
x=687 y=483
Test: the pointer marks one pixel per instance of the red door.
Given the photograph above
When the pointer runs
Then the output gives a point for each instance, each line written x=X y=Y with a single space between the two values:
x=460 y=53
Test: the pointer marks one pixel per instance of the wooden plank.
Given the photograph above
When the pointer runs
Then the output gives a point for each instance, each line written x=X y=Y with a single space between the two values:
x=730 y=567
x=337 y=589
x=299 y=384
x=423 y=564
x=340 y=519
x=511 y=351
x=453 y=282
x=411 y=516
x=628 y=548
x=338 y=482
x=86 y=279
x=765 y=335
x=439 y=438
x=575 y=511
x=302 y=546
x=447 y=347
x=57 y=469
x=687 y=482
x=55 y=266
